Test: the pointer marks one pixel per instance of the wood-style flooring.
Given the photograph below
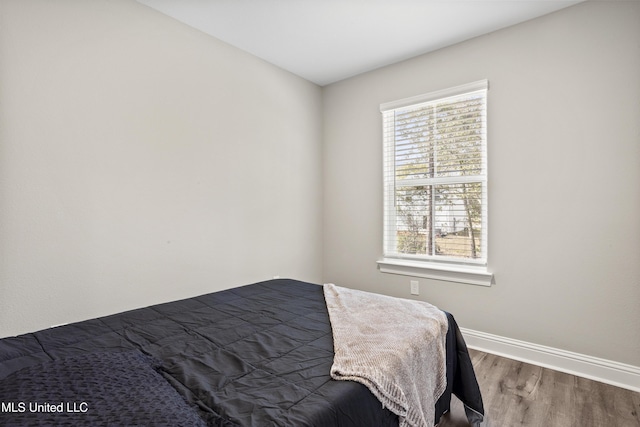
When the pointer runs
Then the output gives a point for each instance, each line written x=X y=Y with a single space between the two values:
x=520 y=394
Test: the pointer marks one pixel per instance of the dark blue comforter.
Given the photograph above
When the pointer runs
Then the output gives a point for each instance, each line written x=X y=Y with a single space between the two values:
x=257 y=355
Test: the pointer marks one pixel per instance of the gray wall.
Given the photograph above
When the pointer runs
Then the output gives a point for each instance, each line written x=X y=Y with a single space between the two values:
x=564 y=179
x=142 y=161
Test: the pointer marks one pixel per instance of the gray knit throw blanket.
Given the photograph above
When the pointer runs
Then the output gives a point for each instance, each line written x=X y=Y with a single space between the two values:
x=395 y=347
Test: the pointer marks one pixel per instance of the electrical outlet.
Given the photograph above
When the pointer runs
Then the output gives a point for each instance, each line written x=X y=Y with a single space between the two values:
x=415 y=287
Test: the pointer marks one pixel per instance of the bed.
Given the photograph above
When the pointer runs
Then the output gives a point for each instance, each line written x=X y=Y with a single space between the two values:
x=256 y=355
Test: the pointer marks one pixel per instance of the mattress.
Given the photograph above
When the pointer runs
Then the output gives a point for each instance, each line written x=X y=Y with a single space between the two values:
x=256 y=355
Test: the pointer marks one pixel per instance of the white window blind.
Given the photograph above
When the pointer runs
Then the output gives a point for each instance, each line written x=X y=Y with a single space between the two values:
x=435 y=176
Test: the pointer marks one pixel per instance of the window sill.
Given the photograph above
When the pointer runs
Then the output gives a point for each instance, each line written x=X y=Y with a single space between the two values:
x=472 y=275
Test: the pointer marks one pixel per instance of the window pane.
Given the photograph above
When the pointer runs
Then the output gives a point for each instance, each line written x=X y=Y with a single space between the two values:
x=414 y=144
x=459 y=135
x=413 y=216
x=452 y=228
x=458 y=220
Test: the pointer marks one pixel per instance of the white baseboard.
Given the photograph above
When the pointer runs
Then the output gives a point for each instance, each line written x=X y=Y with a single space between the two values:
x=594 y=368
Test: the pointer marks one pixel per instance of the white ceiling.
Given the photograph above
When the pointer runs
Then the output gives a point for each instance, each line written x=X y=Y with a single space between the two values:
x=325 y=41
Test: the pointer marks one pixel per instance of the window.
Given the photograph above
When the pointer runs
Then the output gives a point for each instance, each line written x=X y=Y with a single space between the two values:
x=435 y=184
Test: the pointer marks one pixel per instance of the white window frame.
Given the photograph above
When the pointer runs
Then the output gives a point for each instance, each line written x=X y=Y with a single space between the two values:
x=462 y=270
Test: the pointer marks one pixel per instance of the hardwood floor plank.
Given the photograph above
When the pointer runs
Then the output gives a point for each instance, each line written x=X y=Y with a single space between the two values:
x=520 y=394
